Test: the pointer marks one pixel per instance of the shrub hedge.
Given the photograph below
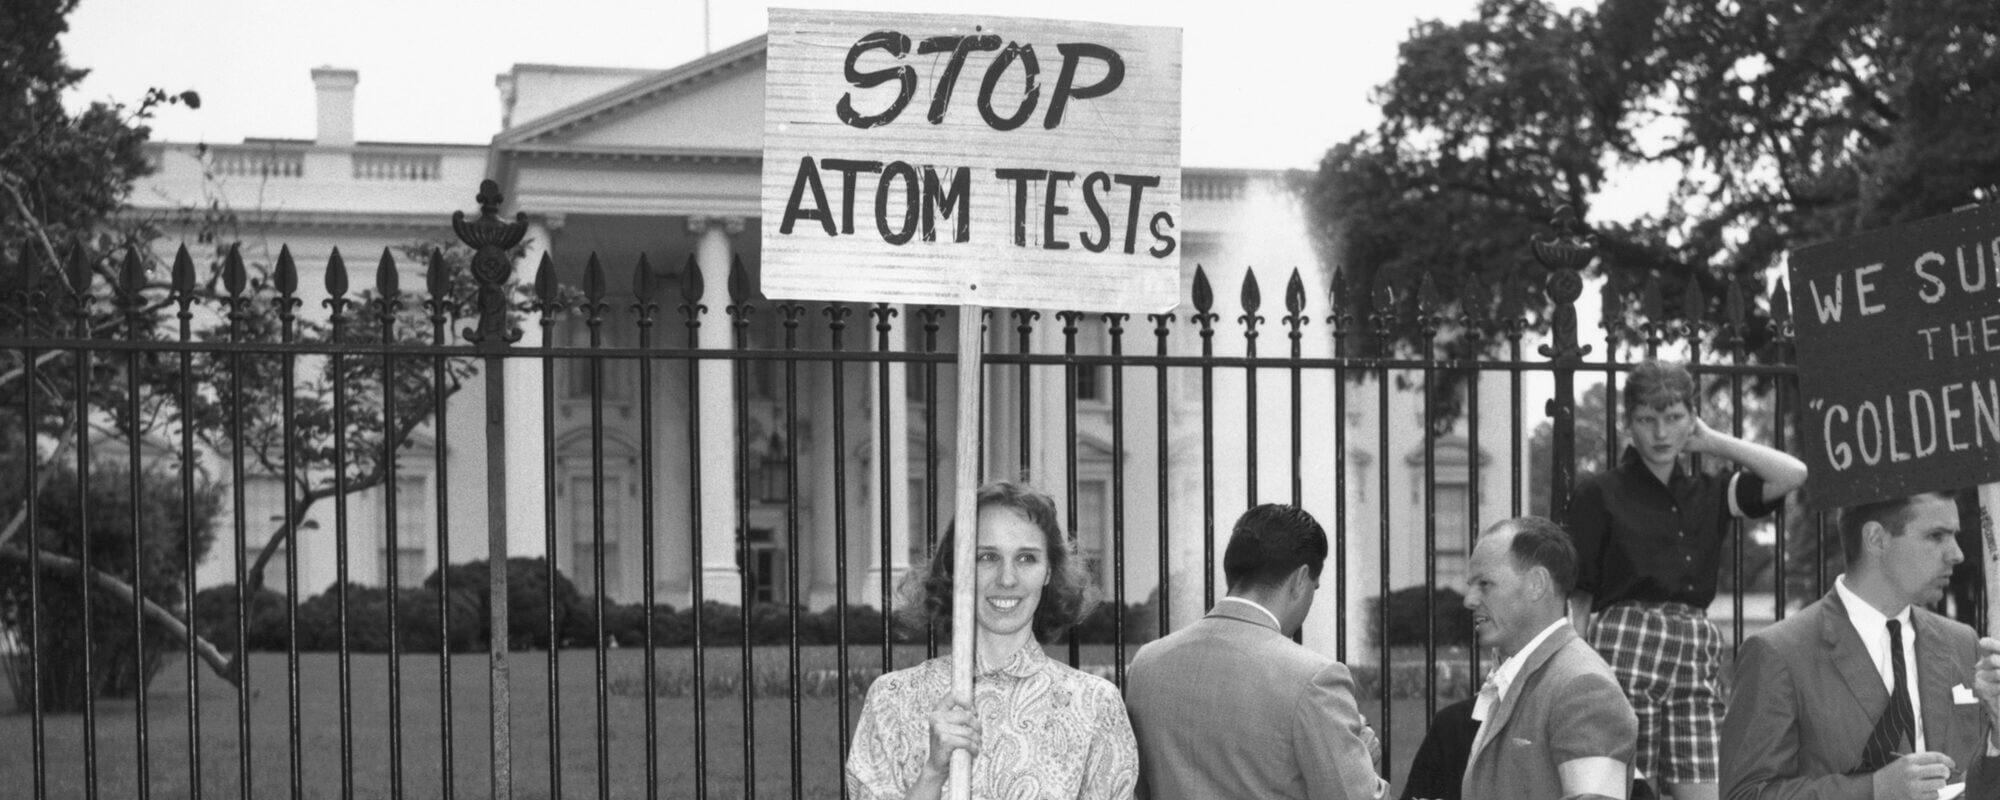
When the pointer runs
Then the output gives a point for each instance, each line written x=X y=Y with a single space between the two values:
x=531 y=603
x=1406 y=618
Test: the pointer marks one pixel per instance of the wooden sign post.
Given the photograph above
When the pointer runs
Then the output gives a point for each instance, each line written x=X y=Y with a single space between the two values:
x=1899 y=366
x=977 y=162
x=965 y=519
x=1989 y=538
x=1989 y=519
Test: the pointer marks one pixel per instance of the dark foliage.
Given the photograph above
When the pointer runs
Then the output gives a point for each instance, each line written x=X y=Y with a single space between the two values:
x=535 y=603
x=63 y=172
x=1140 y=619
x=102 y=523
x=721 y=624
x=1405 y=624
x=1786 y=123
x=265 y=628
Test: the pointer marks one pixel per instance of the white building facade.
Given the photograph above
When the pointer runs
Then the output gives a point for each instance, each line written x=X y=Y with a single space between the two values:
x=619 y=163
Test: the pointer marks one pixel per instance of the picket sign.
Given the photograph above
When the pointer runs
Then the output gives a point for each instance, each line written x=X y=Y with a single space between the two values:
x=1899 y=366
x=976 y=162
x=964 y=568
x=1989 y=517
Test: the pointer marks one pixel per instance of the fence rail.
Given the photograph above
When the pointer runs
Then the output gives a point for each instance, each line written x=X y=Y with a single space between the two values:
x=738 y=509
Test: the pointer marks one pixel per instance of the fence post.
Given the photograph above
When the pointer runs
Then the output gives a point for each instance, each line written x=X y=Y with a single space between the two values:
x=491 y=239
x=1564 y=254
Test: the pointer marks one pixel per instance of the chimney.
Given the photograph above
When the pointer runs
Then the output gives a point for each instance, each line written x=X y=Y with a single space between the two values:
x=335 y=90
x=506 y=82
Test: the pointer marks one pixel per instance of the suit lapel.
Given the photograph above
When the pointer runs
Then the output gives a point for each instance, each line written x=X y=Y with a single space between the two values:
x=1504 y=709
x=1850 y=659
x=1935 y=677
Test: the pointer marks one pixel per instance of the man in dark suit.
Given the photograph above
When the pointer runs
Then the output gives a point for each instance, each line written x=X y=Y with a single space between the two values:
x=1231 y=707
x=1865 y=694
x=1438 y=770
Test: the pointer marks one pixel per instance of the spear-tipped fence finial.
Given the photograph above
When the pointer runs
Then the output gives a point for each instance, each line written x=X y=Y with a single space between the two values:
x=336 y=286
x=1694 y=308
x=183 y=288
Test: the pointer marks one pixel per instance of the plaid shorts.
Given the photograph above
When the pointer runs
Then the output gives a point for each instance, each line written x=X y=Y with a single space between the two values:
x=1664 y=654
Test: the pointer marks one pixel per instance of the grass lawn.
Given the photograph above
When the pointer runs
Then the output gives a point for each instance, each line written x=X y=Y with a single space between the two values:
x=412 y=756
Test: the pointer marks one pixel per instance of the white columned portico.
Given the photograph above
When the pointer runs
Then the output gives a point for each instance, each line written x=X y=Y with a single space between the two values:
x=891 y=520
x=721 y=578
x=527 y=481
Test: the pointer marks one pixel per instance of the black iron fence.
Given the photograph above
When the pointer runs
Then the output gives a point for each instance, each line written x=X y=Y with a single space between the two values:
x=696 y=600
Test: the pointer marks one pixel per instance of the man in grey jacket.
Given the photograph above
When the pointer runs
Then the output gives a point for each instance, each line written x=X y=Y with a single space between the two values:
x=1231 y=707
x=1554 y=723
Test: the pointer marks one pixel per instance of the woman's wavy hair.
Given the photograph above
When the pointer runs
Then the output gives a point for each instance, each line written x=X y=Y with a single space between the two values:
x=1066 y=599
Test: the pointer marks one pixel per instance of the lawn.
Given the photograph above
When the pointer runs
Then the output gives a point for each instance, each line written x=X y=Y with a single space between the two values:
x=412 y=756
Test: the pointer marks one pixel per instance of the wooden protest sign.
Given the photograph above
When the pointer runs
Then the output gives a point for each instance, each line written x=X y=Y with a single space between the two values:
x=971 y=161
x=1899 y=365
x=960 y=160
x=1899 y=358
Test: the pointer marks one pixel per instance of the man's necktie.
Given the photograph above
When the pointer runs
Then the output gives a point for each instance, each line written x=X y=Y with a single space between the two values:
x=1895 y=730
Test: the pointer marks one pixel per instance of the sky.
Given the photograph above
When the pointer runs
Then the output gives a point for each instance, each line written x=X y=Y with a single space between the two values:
x=1266 y=84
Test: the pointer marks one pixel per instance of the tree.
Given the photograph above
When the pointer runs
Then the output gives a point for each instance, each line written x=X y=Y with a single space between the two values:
x=61 y=174
x=323 y=426
x=149 y=565
x=70 y=274
x=333 y=425
x=1789 y=123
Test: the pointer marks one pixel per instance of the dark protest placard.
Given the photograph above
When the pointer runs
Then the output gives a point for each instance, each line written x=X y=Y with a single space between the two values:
x=959 y=160
x=1899 y=358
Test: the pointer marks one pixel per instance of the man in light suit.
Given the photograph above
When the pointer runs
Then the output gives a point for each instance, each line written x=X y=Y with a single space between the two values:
x=1554 y=722
x=1231 y=707
x=1842 y=701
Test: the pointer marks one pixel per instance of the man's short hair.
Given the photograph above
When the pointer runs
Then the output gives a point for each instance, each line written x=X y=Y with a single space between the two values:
x=1659 y=385
x=1891 y=514
x=1270 y=542
x=1539 y=542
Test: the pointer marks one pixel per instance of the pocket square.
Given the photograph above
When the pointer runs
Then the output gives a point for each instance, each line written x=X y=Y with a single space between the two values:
x=1962 y=695
x=1520 y=742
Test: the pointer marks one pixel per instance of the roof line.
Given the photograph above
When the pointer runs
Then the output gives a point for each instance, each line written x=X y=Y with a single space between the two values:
x=637 y=91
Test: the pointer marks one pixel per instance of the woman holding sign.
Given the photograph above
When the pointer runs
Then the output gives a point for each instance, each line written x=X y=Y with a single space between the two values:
x=1037 y=728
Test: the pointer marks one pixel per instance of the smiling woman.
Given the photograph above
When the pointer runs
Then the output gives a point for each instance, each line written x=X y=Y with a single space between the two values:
x=1010 y=517
x=1037 y=728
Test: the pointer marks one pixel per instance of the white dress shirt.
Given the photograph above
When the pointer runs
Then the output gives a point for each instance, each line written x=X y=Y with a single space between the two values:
x=1256 y=605
x=1503 y=676
x=1873 y=626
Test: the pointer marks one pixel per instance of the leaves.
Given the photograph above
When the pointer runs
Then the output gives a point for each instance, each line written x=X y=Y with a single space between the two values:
x=334 y=400
x=61 y=172
x=1787 y=123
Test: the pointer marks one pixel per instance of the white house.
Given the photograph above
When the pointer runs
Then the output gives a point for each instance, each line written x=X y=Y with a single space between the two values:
x=620 y=162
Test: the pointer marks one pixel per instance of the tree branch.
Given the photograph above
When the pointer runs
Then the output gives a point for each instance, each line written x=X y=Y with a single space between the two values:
x=8 y=181
x=224 y=668
x=41 y=360
x=42 y=480
x=368 y=480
